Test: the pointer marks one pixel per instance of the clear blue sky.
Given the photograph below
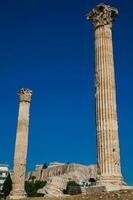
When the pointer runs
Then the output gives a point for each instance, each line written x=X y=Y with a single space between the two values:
x=48 y=46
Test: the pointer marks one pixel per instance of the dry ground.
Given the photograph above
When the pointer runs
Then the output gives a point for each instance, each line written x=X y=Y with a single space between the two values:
x=118 y=195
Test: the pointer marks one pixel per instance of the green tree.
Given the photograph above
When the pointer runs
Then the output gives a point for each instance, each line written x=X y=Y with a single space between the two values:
x=7 y=187
x=32 y=178
x=72 y=183
x=72 y=188
x=32 y=187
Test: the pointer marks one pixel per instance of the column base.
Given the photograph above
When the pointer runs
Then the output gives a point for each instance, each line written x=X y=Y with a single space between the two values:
x=17 y=195
x=111 y=183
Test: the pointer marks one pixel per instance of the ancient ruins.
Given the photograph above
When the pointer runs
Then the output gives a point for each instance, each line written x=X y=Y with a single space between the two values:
x=60 y=169
x=108 y=170
x=20 y=156
x=57 y=175
x=108 y=151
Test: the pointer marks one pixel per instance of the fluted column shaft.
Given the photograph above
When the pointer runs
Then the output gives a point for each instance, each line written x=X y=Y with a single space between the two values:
x=20 y=156
x=108 y=152
x=108 y=156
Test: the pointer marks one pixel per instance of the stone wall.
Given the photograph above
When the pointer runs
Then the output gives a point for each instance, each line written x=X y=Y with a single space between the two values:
x=61 y=168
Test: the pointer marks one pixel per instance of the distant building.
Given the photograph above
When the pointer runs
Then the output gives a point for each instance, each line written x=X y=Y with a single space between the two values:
x=74 y=171
x=55 y=164
x=4 y=171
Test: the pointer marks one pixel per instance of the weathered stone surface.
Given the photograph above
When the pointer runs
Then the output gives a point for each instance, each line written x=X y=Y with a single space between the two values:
x=82 y=174
x=95 y=189
x=54 y=186
x=117 y=195
x=20 y=156
x=73 y=170
x=108 y=151
x=57 y=175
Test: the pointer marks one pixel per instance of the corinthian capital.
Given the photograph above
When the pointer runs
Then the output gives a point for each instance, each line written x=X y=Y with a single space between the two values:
x=25 y=95
x=102 y=15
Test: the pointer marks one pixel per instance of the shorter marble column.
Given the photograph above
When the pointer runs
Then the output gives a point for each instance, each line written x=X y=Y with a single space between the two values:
x=18 y=190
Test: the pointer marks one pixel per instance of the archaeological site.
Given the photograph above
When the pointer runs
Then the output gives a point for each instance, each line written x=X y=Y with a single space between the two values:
x=105 y=176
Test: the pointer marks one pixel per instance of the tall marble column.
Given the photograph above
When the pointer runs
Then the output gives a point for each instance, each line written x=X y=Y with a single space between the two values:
x=108 y=151
x=20 y=156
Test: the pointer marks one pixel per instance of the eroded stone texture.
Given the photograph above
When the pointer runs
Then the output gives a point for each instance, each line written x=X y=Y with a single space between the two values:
x=54 y=187
x=57 y=176
x=73 y=171
x=18 y=191
x=108 y=152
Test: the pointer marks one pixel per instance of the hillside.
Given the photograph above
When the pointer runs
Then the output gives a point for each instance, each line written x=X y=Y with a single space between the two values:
x=57 y=175
x=117 y=195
